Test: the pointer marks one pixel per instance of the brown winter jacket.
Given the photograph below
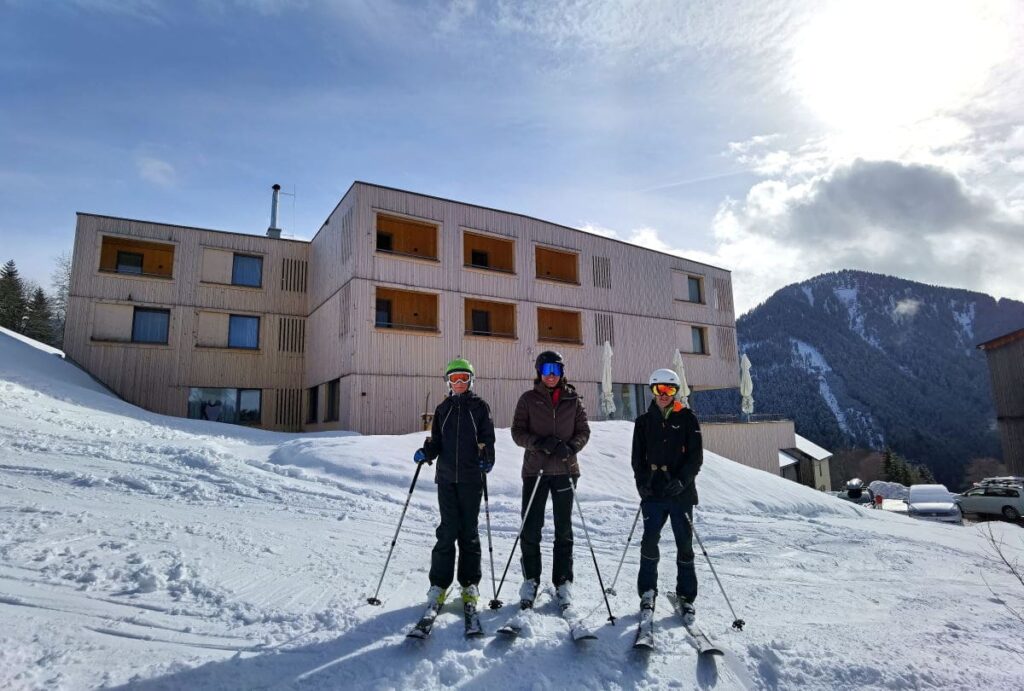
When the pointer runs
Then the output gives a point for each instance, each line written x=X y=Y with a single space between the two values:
x=536 y=418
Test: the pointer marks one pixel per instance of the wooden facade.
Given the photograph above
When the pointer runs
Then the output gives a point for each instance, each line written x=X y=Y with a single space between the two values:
x=325 y=334
x=1005 y=357
x=754 y=444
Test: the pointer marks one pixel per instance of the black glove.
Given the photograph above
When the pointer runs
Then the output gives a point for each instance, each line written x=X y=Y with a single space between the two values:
x=549 y=444
x=562 y=451
x=674 y=487
x=486 y=458
x=644 y=491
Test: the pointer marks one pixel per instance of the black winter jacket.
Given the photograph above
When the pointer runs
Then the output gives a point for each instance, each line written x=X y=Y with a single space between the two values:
x=461 y=424
x=674 y=443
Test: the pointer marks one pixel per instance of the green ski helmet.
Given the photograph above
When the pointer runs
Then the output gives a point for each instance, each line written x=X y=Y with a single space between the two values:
x=460 y=365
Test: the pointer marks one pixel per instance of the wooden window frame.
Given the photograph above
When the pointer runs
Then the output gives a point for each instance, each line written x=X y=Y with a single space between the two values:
x=415 y=256
x=151 y=310
x=234 y=280
x=575 y=254
x=491 y=307
x=393 y=295
x=259 y=327
x=542 y=338
x=147 y=245
x=495 y=259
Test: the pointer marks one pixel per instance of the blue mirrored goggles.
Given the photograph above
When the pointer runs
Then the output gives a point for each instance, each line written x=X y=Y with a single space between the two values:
x=551 y=368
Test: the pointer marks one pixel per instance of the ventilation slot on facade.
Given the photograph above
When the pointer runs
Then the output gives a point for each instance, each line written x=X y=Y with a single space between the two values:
x=291 y=335
x=723 y=295
x=294 y=275
x=346 y=237
x=602 y=272
x=727 y=337
x=288 y=409
x=604 y=325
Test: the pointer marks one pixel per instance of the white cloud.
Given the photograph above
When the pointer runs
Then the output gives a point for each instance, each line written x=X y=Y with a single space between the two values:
x=156 y=171
x=906 y=309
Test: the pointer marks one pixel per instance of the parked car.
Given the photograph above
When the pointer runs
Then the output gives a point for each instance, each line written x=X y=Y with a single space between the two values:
x=1004 y=500
x=857 y=493
x=933 y=503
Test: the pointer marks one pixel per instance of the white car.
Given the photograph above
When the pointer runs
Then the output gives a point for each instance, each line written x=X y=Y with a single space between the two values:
x=933 y=503
x=996 y=500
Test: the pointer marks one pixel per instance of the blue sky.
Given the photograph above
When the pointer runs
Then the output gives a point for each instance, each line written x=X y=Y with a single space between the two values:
x=778 y=140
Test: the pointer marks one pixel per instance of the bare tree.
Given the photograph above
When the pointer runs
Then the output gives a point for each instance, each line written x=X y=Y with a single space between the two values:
x=980 y=468
x=1000 y=556
x=60 y=282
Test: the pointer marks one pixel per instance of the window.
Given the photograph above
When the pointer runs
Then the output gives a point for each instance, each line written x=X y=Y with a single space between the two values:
x=696 y=294
x=406 y=237
x=313 y=403
x=234 y=406
x=699 y=336
x=247 y=270
x=405 y=310
x=243 y=332
x=129 y=263
x=481 y=323
x=333 y=400
x=630 y=400
x=557 y=265
x=383 y=319
x=488 y=252
x=559 y=326
x=150 y=325
x=479 y=259
x=486 y=318
x=133 y=257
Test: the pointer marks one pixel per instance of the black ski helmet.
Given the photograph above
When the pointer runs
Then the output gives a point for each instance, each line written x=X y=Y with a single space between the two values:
x=546 y=358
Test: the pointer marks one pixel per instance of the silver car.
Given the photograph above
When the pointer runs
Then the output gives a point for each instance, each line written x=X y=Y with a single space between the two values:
x=1006 y=501
x=933 y=503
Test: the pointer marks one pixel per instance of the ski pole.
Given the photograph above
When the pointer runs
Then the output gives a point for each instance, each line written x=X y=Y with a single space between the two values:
x=737 y=622
x=518 y=535
x=586 y=533
x=495 y=603
x=611 y=589
x=373 y=600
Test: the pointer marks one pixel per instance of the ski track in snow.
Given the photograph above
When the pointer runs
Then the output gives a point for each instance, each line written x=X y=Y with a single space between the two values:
x=144 y=552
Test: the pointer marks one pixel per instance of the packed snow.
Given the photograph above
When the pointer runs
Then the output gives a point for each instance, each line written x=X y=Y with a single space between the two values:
x=149 y=552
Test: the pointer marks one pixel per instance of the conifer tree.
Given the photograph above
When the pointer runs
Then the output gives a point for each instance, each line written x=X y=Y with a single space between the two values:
x=39 y=323
x=12 y=297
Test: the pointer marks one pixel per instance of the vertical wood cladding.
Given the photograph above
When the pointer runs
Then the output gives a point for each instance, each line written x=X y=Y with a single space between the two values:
x=288 y=409
x=604 y=328
x=294 y=275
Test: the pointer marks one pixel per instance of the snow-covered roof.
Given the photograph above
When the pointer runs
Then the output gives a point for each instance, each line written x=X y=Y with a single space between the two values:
x=785 y=459
x=812 y=449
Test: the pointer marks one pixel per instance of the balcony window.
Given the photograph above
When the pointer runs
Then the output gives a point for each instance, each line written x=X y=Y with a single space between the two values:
x=234 y=406
x=333 y=400
x=696 y=292
x=405 y=310
x=558 y=326
x=243 y=332
x=136 y=257
x=312 y=405
x=406 y=237
x=129 y=262
x=557 y=265
x=699 y=337
x=247 y=270
x=486 y=252
x=485 y=318
x=150 y=325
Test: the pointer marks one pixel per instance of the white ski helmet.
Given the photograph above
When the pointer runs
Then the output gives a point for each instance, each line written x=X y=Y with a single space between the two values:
x=663 y=376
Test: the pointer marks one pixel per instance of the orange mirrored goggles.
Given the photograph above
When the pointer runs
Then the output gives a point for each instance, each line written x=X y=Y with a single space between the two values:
x=457 y=377
x=664 y=389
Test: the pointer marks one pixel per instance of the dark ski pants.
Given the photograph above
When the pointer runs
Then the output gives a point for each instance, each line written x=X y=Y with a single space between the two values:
x=656 y=512
x=460 y=509
x=561 y=503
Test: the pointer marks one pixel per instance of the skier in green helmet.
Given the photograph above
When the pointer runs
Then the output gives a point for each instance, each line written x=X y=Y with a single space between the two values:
x=462 y=439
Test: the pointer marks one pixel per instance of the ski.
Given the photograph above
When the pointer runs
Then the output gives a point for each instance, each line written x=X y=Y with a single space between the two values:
x=472 y=618
x=645 y=631
x=425 y=625
x=705 y=646
x=515 y=625
x=577 y=629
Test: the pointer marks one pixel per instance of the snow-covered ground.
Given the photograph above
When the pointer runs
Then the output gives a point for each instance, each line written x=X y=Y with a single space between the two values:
x=150 y=552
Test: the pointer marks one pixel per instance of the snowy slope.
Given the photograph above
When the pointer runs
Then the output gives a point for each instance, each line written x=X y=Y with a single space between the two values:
x=144 y=551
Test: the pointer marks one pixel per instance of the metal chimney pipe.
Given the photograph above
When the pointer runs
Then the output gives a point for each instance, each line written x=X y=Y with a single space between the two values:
x=273 y=231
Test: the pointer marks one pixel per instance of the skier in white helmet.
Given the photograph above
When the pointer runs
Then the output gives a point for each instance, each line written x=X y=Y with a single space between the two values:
x=667 y=455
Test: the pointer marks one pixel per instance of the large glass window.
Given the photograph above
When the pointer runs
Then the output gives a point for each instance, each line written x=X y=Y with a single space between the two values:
x=247 y=270
x=312 y=407
x=699 y=336
x=243 y=332
x=694 y=288
x=630 y=400
x=150 y=326
x=333 y=400
x=383 y=318
x=235 y=406
x=129 y=263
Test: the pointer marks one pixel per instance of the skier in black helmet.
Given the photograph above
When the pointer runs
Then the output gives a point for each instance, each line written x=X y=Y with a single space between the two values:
x=462 y=439
x=550 y=423
x=667 y=455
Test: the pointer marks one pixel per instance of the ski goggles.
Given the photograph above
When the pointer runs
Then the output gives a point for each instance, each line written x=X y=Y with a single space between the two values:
x=549 y=369
x=459 y=378
x=664 y=389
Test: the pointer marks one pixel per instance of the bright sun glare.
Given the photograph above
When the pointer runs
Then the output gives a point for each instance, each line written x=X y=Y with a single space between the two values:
x=871 y=64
